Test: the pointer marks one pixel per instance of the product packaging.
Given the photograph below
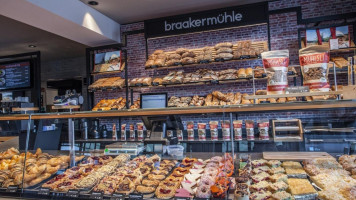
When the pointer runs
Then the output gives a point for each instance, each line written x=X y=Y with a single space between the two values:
x=180 y=135
x=225 y=127
x=190 y=130
x=202 y=131
x=169 y=133
x=114 y=132
x=123 y=132
x=250 y=131
x=263 y=128
x=132 y=132
x=214 y=130
x=276 y=67
x=237 y=129
x=139 y=131
x=314 y=63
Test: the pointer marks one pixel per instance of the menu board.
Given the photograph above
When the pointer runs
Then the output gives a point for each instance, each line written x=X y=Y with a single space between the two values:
x=15 y=75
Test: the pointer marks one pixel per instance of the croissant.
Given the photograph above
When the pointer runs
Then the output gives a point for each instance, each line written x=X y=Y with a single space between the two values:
x=52 y=170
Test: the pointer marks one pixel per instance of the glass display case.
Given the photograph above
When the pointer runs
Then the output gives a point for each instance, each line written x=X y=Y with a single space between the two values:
x=140 y=148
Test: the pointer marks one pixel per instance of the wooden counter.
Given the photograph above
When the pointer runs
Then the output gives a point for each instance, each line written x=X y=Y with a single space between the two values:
x=319 y=105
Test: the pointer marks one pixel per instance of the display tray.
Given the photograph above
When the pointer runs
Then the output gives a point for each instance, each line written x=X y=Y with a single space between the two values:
x=295 y=156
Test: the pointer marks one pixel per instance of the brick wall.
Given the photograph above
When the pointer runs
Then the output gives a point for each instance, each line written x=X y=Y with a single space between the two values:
x=284 y=35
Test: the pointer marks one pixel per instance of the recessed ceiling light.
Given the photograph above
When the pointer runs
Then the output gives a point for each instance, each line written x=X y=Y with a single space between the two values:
x=32 y=46
x=93 y=3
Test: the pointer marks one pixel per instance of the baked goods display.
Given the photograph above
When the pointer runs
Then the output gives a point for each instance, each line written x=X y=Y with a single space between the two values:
x=348 y=162
x=157 y=59
x=340 y=62
x=332 y=177
x=144 y=81
x=39 y=167
x=108 y=83
x=220 y=52
x=109 y=104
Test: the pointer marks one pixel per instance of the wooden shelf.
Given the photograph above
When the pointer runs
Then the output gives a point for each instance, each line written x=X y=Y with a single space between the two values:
x=340 y=104
x=122 y=67
x=25 y=109
x=65 y=107
x=304 y=94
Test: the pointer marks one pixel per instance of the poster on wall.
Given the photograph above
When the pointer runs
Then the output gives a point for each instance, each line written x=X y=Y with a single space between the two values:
x=108 y=61
x=311 y=37
x=343 y=35
x=324 y=36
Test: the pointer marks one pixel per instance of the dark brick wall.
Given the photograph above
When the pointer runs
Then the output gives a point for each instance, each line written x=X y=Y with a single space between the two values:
x=284 y=35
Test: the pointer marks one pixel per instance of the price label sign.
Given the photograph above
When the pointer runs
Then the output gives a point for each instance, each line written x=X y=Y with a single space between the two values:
x=96 y=195
x=73 y=193
x=12 y=188
x=297 y=89
x=117 y=196
x=135 y=197
x=44 y=191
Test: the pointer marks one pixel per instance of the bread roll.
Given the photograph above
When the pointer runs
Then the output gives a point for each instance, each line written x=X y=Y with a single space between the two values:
x=261 y=92
x=281 y=100
x=208 y=100
x=159 y=62
x=249 y=72
x=181 y=51
x=224 y=50
x=172 y=62
x=223 y=44
x=237 y=98
x=188 y=54
x=188 y=60
x=237 y=54
x=241 y=73
x=174 y=56
x=272 y=100
x=158 y=52
x=225 y=56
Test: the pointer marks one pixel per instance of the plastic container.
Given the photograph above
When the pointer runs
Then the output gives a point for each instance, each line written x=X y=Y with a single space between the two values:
x=175 y=150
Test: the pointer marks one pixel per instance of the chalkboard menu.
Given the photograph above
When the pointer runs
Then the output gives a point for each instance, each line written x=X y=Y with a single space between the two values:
x=15 y=75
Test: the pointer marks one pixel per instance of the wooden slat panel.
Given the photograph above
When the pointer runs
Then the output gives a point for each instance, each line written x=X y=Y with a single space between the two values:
x=294 y=156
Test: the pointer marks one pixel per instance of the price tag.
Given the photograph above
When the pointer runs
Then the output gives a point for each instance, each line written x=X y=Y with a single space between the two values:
x=12 y=188
x=96 y=195
x=297 y=89
x=204 y=62
x=135 y=196
x=73 y=193
x=138 y=84
x=44 y=191
x=154 y=66
x=117 y=196
x=181 y=198
x=219 y=59
x=214 y=81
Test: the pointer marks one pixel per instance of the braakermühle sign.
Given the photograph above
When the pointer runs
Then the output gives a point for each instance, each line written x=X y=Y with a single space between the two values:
x=207 y=20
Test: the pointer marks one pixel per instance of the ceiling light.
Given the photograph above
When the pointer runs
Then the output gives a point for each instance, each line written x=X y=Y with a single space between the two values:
x=93 y=3
x=32 y=46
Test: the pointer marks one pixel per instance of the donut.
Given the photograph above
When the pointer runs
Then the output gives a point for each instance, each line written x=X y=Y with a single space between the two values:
x=203 y=192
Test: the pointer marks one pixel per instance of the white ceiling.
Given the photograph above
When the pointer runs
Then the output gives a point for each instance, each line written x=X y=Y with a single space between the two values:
x=15 y=37
x=128 y=11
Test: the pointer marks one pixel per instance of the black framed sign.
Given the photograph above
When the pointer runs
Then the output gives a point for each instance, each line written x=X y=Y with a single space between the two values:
x=154 y=100
x=207 y=20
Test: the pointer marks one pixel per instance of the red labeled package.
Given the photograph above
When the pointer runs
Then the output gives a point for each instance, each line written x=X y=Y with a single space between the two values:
x=202 y=131
x=276 y=67
x=237 y=129
x=250 y=129
x=263 y=128
x=314 y=63
x=139 y=131
x=190 y=130
x=132 y=132
x=214 y=130
x=180 y=135
x=225 y=127
x=123 y=132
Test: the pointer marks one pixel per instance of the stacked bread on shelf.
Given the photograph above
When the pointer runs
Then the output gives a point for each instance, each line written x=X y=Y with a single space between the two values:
x=108 y=104
x=104 y=83
x=223 y=51
x=39 y=167
x=205 y=55
x=220 y=52
x=339 y=61
x=143 y=81
x=158 y=59
x=216 y=98
x=136 y=104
